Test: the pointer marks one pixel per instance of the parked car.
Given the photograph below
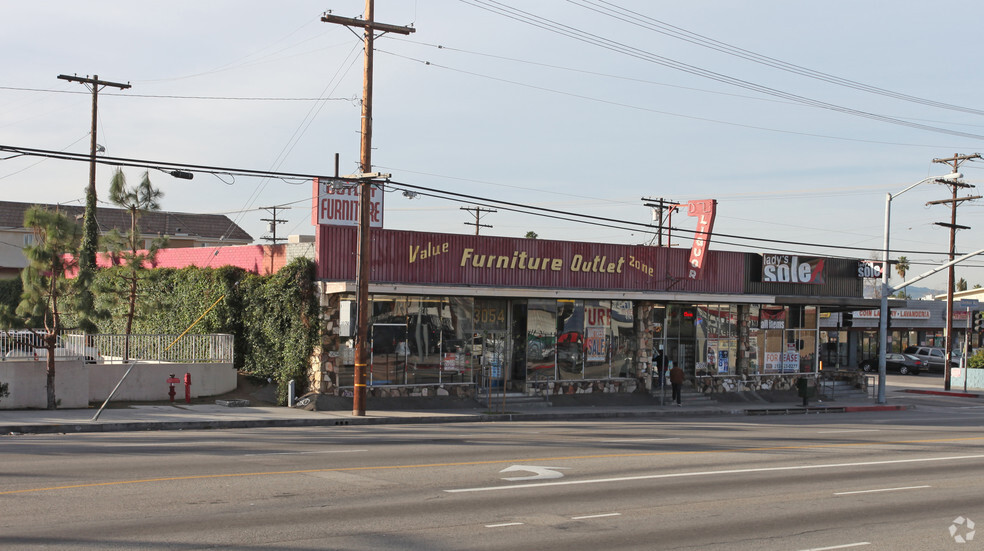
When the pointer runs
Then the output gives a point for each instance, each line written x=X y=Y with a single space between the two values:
x=905 y=364
x=933 y=357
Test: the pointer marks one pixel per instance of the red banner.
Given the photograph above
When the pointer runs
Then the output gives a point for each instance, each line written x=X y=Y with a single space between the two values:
x=704 y=210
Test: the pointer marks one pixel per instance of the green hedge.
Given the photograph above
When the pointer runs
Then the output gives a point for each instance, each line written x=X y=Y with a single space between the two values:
x=274 y=318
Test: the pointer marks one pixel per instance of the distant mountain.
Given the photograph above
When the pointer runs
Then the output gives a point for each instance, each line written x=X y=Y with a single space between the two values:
x=916 y=293
x=922 y=292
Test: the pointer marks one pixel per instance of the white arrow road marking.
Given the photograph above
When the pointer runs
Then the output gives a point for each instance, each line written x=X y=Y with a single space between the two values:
x=706 y=473
x=542 y=473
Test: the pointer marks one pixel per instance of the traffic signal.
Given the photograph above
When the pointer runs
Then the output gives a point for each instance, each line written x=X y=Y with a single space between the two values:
x=979 y=321
x=847 y=319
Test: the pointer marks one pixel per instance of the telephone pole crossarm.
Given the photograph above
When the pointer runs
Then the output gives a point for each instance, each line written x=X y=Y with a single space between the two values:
x=362 y=23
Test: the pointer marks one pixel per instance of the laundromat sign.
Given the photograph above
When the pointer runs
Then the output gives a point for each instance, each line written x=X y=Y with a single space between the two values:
x=784 y=268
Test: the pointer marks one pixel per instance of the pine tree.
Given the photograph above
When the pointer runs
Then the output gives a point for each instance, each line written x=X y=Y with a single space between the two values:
x=48 y=294
x=128 y=249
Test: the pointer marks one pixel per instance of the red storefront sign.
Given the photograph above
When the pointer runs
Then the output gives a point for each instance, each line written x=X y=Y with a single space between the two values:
x=456 y=259
x=704 y=210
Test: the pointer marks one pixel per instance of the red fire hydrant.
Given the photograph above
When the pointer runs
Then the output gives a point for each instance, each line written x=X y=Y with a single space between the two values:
x=172 y=380
x=187 y=388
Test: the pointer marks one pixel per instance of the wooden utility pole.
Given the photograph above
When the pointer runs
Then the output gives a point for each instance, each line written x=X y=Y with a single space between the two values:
x=273 y=220
x=90 y=230
x=370 y=26
x=954 y=163
x=660 y=206
x=273 y=223
x=478 y=216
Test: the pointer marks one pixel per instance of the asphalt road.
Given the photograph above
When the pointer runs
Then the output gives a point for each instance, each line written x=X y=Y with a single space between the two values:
x=891 y=480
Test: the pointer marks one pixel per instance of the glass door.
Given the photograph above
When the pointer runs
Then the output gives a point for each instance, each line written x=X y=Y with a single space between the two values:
x=388 y=362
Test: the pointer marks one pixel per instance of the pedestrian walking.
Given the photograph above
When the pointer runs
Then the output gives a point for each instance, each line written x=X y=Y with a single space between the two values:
x=659 y=367
x=676 y=381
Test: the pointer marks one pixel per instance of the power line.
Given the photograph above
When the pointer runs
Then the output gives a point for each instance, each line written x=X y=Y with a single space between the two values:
x=618 y=47
x=641 y=20
x=432 y=192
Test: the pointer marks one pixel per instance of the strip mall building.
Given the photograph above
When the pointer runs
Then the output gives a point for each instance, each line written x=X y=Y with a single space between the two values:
x=458 y=313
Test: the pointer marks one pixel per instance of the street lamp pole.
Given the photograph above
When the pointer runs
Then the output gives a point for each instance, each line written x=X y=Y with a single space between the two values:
x=886 y=289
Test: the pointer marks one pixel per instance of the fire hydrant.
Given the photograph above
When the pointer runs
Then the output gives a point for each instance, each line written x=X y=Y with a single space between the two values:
x=187 y=388
x=172 y=380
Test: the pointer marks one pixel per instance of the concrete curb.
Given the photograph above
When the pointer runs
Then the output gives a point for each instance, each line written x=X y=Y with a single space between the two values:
x=942 y=393
x=139 y=426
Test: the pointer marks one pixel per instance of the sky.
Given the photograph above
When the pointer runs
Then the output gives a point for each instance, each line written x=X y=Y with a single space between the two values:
x=798 y=118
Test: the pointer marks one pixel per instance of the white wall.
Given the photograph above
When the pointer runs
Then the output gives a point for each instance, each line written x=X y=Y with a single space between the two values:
x=27 y=384
x=77 y=384
x=148 y=381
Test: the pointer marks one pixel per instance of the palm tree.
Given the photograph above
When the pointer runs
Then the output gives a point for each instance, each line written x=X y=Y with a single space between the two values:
x=902 y=266
x=962 y=285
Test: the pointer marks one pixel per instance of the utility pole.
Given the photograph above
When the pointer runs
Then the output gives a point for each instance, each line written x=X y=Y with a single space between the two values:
x=660 y=206
x=478 y=217
x=370 y=26
x=954 y=163
x=273 y=229
x=273 y=223
x=90 y=230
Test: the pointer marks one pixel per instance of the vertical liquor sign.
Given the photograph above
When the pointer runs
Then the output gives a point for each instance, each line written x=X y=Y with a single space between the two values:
x=336 y=203
x=704 y=210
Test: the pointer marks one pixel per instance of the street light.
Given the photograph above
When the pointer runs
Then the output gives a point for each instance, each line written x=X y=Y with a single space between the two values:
x=886 y=289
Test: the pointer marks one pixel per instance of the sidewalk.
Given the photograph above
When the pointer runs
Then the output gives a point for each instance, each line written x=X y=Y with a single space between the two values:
x=213 y=416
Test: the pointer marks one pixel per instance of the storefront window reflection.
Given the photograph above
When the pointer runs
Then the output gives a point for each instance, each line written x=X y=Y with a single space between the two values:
x=541 y=339
x=570 y=339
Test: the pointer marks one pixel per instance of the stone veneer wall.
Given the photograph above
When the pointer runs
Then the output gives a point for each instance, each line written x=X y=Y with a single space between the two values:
x=606 y=386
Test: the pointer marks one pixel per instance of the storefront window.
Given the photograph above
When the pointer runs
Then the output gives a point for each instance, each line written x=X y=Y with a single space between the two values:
x=624 y=342
x=717 y=338
x=786 y=338
x=570 y=339
x=597 y=339
x=541 y=339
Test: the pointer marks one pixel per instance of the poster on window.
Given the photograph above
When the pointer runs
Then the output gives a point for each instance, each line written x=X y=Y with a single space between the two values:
x=723 y=363
x=773 y=361
x=595 y=343
x=772 y=318
x=790 y=362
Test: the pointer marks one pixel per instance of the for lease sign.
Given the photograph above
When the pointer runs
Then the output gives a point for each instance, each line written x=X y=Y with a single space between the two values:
x=337 y=204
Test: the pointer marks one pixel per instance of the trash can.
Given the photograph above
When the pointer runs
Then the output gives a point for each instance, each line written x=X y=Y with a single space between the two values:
x=805 y=389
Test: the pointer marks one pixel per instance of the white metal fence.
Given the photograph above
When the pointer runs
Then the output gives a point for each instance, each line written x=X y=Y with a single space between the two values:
x=212 y=348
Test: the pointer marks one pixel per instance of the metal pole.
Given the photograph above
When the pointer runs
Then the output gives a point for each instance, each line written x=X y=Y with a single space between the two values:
x=965 y=358
x=115 y=388
x=883 y=313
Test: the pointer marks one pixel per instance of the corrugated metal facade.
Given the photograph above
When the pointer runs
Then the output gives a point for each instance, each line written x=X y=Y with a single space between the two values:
x=840 y=280
x=452 y=259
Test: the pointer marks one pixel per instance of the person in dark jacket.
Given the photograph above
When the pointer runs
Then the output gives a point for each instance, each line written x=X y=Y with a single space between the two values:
x=659 y=367
x=676 y=381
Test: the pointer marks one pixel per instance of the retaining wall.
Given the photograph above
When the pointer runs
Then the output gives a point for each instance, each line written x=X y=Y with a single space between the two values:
x=77 y=384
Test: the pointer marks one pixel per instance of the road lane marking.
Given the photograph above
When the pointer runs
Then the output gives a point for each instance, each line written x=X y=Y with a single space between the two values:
x=845 y=546
x=847 y=430
x=490 y=462
x=636 y=440
x=880 y=490
x=709 y=473
x=539 y=473
x=301 y=453
x=503 y=524
x=597 y=516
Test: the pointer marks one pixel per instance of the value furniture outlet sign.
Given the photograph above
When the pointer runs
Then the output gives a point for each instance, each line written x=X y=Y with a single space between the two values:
x=458 y=259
